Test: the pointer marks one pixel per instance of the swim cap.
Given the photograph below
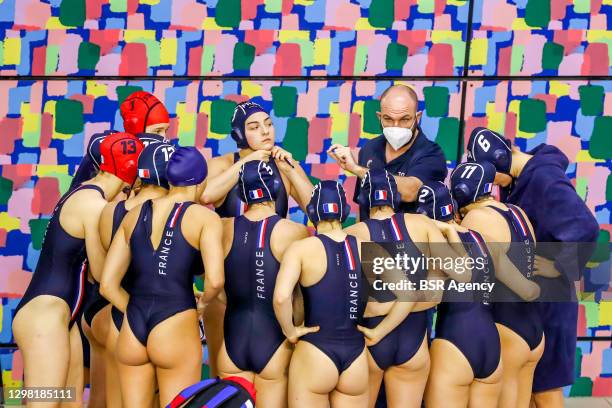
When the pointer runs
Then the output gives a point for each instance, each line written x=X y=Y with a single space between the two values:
x=142 y=109
x=186 y=167
x=328 y=202
x=487 y=145
x=256 y=182
x=148 y=138
x=379 y=189
x=93 y=147
x=471 y=180
x=435 y=201
x=120 y=153
x=152 y=164
x=230 y=392
x=241 y=114
x=90 y=163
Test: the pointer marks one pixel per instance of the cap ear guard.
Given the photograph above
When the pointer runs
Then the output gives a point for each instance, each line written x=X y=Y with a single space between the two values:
x=462 y=194
x=239 y=138
x=363 y=198
x=346 y=208
x=397 y=198
x=130 y=168
x=502 y=160
x=311 y=207
x=312 y=214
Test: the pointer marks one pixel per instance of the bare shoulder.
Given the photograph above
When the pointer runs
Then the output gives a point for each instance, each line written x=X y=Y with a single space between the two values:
x=108 y=210
x=133 y=214
x=417 y=219
x=219 y=164
x=197 y=212
x=306 y=245
x=418 y=225
x=479 y=219
x=293 y=229
x=227 y=223
x=359 y=231
x=88 y=203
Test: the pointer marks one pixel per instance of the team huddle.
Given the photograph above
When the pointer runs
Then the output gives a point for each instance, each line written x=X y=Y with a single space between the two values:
x=291 y=318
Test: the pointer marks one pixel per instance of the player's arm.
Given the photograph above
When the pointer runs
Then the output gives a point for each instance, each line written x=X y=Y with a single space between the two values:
x=401 y=307
x=286 y=281
x=211 y=247
x=300 y=186
x=440 y=248
x=117 y=262
x=96 y=253
x=222 y=177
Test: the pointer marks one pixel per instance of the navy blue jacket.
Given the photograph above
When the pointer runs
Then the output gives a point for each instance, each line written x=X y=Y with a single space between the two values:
x=555 y=210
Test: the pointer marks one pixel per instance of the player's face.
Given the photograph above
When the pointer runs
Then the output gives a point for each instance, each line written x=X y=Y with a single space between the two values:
x=158 y=129
x=259 y=131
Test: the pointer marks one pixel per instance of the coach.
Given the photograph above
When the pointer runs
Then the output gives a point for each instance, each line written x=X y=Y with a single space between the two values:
x=403 y=149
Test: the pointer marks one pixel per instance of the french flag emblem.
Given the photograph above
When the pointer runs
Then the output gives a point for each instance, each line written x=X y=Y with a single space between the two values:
x=255 y=194
x=143 y=173
x=330 y=208
x=380 y=194
x=488 y=187
x=446 y=210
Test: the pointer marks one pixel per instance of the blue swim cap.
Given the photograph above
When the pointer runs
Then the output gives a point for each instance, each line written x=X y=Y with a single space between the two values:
x=148 y=138
x=186 y=167
x=241 y=113
x=379 y=189
x=256 y=182
x=487 y=145
x=328 y=202
x=152 y=164
x=435 y=201
x=470 y=181
x=93 y=147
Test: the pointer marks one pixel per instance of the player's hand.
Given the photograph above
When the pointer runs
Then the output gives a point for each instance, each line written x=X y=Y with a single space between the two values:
x=545 y=267
x=300 y=331
x=258 y=155
x=281 y=154
x=200 y=304
x=283 y=159
x=343 y=155
x=372 y=336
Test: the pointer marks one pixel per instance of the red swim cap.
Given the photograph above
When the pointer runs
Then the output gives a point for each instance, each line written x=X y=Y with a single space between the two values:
x=142 y=109
x=120 y=153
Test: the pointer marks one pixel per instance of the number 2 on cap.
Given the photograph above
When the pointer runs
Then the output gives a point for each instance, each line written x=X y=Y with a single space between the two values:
x=422 y=196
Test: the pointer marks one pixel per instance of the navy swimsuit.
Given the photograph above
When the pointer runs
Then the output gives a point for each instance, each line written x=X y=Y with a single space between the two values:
x=336 y=303
x=162 y=283
x=466 y=319
x=252 y=333
x=402 y=343
x=62 y=268
x=521 y=317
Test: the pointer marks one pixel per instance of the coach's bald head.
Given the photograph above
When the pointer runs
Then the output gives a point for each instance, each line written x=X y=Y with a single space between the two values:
x=398 y=106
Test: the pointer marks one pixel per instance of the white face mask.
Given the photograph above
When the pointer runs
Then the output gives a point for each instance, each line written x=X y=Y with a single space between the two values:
x=397 y=136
